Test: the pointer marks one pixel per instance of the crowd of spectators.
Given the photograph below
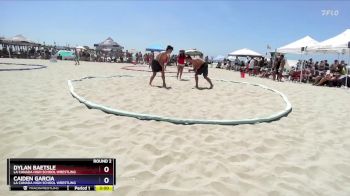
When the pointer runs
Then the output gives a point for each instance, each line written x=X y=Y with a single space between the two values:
x=319 y=73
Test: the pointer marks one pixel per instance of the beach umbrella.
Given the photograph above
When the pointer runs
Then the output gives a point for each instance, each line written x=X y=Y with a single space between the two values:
x=155 y=48
x=245 y=52
x=193 y=52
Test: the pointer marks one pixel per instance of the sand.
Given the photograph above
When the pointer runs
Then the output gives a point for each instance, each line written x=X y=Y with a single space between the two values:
x=306 y=153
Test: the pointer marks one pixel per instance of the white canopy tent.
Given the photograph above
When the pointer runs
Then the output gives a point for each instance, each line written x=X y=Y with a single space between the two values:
x=80 y=48
x=296 y=46
x=17 y=42
x=291 y=64
x=337 y=44
x=231 y=58
x=194 y=52
x=245 y=52
x=108 y=45
x=219 y=58
x=20 y=38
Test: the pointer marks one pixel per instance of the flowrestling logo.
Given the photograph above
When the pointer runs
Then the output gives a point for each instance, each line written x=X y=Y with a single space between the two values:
x=330 y=12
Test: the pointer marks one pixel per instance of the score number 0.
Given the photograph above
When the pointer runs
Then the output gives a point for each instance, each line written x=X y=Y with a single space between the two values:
x=106 y=170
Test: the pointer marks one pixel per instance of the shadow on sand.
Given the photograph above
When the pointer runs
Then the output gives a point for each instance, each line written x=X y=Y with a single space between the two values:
x=202 y=88
x=167 y=88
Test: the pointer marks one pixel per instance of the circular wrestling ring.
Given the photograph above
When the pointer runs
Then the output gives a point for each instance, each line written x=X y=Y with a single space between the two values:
x=30 y=67
x=273 y=117
x=147 y=69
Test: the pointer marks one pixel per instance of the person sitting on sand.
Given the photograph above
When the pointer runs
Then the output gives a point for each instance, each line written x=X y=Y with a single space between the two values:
x=326 y=64
x=328 y=78
x=343 y=81
x=335 y=66
x=200 y=67
x=158 y=64
x=322 y=66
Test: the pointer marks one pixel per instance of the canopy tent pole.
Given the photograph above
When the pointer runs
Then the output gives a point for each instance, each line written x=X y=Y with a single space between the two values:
x=9 y=51
x=302 y=64
x=346 y=69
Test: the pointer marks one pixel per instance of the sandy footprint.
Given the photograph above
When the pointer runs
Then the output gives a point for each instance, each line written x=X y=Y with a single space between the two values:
x=239 y=158
x=162 y=162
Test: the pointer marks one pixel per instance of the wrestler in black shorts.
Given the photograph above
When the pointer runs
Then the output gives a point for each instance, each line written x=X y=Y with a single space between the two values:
x=156 y=67
x=203 y=70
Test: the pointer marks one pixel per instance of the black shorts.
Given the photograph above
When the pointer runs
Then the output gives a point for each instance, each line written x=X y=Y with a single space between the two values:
x=276 y=69
x=156 y=67
x=203 y=70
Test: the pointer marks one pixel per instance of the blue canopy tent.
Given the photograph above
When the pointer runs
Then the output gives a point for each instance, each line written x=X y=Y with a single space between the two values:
x=65 y=54
x=155 y=48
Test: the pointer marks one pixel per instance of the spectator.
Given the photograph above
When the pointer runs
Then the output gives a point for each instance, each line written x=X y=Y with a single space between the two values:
x=180 y=64
x=326 y=65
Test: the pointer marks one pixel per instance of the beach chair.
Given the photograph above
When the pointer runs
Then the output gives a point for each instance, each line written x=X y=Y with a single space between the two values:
x=295 y=76
x=256 y=70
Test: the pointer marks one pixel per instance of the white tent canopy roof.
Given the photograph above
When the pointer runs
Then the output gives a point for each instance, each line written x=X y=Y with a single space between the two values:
x=80 y=47
x=193 y=52
x=231 y=58
x=109 y=43
x=295 y=47
x=19 y=38
x=244 y=52
x=219 y=58
x=337 y=44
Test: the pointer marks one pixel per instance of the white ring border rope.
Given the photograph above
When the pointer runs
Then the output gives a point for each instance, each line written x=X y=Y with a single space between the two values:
x=273 y=117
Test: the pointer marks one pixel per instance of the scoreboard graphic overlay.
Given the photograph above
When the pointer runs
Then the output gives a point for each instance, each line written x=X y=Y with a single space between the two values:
x=95 y=174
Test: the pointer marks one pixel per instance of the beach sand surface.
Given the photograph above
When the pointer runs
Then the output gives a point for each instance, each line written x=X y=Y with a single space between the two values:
x=306 y=153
